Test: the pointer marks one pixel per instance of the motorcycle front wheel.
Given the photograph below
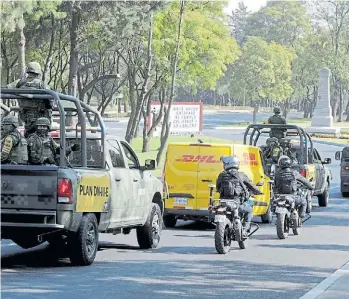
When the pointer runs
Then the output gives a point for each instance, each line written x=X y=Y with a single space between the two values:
x=222 y=236
x=282 y=226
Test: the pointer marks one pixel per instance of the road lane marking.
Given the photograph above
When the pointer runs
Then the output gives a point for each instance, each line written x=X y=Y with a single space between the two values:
x=325 y=284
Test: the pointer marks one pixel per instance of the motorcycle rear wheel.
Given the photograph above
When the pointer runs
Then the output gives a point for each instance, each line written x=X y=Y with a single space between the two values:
x=296 y=226
x=222 y=237
x=282 y=226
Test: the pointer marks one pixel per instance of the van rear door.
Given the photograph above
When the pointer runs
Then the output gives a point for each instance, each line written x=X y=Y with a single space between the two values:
x=208 y=170
x=252 y=165
x=181 y=176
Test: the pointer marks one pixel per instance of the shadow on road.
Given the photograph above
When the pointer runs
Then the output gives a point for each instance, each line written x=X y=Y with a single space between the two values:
x=156 y=279
x=344 y=248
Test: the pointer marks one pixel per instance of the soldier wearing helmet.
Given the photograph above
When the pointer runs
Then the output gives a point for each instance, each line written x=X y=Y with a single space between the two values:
x=277 y=119
x=13 y=144
x=31 y=110
x=286 y=182
x=232 y=184
x=41 y=147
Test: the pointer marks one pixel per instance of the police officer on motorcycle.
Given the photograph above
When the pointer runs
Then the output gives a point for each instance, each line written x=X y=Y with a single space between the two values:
x=232 y=184
x=286 y=182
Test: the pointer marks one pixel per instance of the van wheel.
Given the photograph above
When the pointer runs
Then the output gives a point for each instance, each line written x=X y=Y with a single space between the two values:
x=170 y=220
x=83 y=244
x=345 y=194
x=323 y=198
x=268 y=217
x=148 y=235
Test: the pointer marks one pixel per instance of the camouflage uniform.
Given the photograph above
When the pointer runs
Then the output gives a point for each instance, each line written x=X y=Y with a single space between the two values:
x=242 y=185
x=286 y=182
x=41 y=147
x=13 y=144
x=31 y=110
x=277 y=119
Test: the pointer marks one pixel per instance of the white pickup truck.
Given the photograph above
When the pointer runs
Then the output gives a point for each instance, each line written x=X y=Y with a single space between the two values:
x=102 y=188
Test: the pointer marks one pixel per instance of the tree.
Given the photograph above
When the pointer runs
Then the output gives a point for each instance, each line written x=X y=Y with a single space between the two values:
x=262 y=72
x=284 y=22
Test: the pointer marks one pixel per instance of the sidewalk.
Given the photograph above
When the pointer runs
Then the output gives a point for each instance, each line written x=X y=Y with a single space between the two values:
x=336 y=286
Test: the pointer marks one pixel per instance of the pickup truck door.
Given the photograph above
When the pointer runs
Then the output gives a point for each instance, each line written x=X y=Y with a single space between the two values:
x=320 y=171
x=122 y=184
x=138 y=190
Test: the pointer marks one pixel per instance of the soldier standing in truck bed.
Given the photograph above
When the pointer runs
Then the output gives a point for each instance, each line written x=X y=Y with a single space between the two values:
x=31 y=110
x=277 y=119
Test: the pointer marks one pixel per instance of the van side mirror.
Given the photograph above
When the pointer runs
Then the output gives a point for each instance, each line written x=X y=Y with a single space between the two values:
x=327 y=161
x=150 y=164
x=260 y=183
x=337 y=156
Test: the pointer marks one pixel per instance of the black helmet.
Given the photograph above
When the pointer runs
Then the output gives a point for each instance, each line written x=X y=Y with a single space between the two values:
x=285 y=162
x=230 y=162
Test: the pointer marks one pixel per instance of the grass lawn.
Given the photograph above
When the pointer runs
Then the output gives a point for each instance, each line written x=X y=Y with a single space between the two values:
x=155 y=144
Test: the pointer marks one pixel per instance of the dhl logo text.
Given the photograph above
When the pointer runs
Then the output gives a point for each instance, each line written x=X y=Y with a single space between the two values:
x=201 y=159
x=249 y=159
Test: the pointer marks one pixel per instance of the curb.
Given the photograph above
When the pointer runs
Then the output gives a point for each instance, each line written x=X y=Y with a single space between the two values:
x=325 y=284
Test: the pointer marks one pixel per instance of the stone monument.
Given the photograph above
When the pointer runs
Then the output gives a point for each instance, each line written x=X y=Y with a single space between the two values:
x=322 y=121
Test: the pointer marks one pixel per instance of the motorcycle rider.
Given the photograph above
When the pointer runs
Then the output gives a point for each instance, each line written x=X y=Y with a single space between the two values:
x=286 y=182
x=13 y=144
x=232 y=184
x=277 y=119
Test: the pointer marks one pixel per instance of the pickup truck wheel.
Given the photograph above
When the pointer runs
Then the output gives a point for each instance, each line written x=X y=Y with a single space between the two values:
x=170 y=220
x=148 y=235
x=83 y=244
x=323 y=198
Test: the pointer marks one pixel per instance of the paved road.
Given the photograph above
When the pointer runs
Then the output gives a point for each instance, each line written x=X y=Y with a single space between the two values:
x=186 y=264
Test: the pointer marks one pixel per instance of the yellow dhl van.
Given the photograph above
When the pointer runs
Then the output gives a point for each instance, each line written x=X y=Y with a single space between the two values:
x=191 y=167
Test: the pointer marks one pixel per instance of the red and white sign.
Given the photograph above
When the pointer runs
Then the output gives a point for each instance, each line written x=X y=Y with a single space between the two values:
x=185 y=118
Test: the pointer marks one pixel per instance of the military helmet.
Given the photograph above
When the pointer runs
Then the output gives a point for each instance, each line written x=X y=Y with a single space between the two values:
x=285 y=162
x=277 y=110
x=230 y=162
x=34 y=67
x=272 y=141
x=43 y=121
x=10 y=120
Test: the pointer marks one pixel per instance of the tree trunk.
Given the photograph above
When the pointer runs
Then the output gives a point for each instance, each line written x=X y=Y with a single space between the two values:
x=51 y=49
x=132 y=98
x=21 y=49
x=340 y=113
x=73 y=59
x=347 y=111
x=166 y=125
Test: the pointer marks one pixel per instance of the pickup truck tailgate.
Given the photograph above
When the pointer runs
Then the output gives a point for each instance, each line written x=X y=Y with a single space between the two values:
x=28 y=187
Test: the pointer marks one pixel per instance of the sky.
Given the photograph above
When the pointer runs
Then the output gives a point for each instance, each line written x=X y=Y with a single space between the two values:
x=252 y=5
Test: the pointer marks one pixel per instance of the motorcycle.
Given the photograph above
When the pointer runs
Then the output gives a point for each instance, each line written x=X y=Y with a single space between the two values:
x=229 y=226
x=287 y=215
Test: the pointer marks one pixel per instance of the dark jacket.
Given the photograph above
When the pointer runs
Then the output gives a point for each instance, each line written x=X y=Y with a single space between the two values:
x=286 y=181
x=242 y=178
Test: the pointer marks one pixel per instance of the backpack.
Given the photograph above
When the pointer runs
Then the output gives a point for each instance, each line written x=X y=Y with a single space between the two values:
x=232 y=186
